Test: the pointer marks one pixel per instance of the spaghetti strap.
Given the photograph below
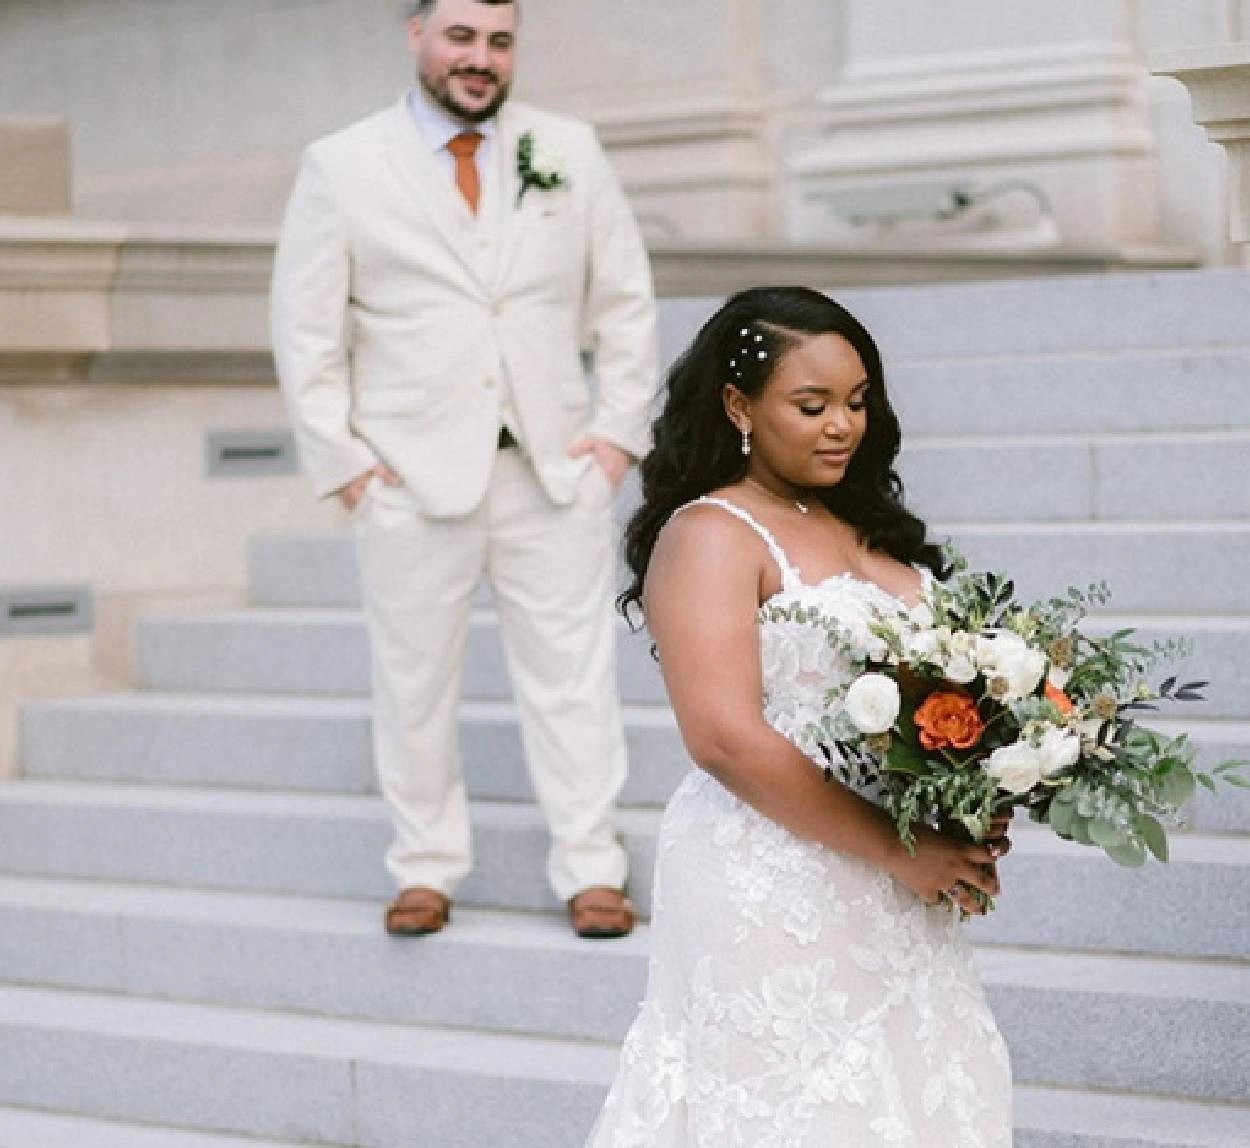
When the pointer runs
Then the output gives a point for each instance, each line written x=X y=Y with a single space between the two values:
x=789 y=574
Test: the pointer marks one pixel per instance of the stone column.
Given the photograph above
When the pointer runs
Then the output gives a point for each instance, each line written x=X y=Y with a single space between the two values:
x=1218 y=79
x=1044 y=102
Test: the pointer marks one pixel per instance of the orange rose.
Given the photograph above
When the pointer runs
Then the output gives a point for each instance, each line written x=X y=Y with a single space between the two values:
x=1059 y=699
x=949 y=720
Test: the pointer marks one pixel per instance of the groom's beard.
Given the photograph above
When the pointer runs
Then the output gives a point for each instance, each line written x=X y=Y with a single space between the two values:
x=442 y=96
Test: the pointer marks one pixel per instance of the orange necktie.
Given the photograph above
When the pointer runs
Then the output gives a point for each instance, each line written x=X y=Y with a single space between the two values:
x=464 y=147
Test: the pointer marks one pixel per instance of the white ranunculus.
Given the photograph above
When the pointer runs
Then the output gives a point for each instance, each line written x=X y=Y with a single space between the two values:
x=872 y=703
x=1016 y=768
x=1059 y=750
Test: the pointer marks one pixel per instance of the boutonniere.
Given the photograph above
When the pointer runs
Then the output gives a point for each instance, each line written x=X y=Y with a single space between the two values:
x=547 y=178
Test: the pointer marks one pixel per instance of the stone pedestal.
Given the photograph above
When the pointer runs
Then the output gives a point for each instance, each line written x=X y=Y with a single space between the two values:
x=1218 y=79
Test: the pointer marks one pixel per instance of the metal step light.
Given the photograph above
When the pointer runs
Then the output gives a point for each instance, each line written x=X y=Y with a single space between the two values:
x=30 y=611
x=249 y=453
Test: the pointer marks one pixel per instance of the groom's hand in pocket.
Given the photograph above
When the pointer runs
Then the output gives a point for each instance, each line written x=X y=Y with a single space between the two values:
x=610 y=458
x=351 y=493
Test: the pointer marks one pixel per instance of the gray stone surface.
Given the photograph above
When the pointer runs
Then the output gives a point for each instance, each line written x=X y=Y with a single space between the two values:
x=331 y=958
x=116 y=1059
x=1056 y=316
x=1066 y=430
x=1146 y=1026
x=24 y=1128
x=1178 y=480
x=1134 y=391
x=279 y=842
x=325 y=652
x=1061 y=895
x=1175 y=568
x=1053 y=1118
x=297 y=744
x=332 y=846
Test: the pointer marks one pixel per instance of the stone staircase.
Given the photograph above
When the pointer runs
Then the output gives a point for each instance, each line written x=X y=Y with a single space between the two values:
x=190 y=875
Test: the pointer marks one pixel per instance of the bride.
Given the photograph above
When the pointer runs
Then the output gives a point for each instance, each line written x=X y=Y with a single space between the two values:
x=809 y=985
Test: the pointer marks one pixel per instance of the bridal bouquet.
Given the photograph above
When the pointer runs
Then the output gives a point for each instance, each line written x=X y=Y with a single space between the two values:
x=971 y=702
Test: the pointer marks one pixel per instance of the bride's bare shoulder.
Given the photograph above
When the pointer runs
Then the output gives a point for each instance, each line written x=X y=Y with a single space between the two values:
x=707 y=530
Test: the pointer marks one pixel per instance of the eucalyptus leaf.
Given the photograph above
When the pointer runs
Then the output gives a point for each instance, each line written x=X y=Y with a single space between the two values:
x=1108 y=836
x=1133 y=855
x=1153 y=834
x=1176 y=787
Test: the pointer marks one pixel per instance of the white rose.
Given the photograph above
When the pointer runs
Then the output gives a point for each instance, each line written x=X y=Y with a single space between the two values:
x=921 y=646
x=921 y=616
x=960 y=668
x=872 y=703
x=1059 y=750
x=1017 y=768
x=962 y=643
x=990 y=649
x=1007 y=655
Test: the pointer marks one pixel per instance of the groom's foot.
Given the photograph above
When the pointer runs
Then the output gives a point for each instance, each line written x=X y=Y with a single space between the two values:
x=417 y=911
x=600 y=913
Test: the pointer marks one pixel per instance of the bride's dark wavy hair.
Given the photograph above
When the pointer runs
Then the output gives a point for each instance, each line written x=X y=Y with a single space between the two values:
x=698 y=449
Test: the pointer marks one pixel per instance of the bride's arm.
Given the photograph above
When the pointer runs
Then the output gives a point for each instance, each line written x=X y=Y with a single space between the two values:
x=701 y=596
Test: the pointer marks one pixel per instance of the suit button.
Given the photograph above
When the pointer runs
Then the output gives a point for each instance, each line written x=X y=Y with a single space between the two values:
x=489 y=384
x=496 y=309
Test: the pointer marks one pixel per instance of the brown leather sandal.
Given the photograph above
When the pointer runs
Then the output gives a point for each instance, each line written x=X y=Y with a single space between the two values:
x=417 y=911
x=600 y=913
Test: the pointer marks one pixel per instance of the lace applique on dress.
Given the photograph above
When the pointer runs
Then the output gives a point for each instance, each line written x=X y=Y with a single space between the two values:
x=800 y=998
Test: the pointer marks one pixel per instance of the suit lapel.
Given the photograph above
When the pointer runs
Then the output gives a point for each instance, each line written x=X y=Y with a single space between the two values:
x=508 y=181
x=431 y=190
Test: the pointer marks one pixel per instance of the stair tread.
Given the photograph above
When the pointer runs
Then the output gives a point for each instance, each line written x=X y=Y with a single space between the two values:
x=1160 y=977
x=27 y=1128
x=1125 y=1115
x=317 y=1037
x=1153 y=1118
x=1189 y=847
x=286 y=705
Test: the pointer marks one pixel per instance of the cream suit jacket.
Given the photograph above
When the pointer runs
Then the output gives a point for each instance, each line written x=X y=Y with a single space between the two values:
x=396 y=315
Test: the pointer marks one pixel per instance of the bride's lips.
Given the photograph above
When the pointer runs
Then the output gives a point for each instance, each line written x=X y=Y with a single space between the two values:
x=834 y=457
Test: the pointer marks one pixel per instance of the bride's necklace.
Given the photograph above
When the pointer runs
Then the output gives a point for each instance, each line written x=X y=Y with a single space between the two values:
x=797 y=503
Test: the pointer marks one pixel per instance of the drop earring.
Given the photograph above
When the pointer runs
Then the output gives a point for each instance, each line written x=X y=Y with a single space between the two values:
x=746 y=442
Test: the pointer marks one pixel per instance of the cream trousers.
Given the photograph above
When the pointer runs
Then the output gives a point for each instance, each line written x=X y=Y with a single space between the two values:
x=551 y=569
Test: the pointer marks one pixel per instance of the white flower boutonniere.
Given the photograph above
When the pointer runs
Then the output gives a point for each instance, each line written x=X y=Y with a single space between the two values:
x=541 y=172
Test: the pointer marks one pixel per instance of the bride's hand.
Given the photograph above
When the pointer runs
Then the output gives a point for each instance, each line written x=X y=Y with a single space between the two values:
x=943 y=868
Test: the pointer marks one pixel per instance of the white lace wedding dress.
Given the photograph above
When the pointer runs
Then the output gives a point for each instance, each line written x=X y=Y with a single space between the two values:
x=800 y=998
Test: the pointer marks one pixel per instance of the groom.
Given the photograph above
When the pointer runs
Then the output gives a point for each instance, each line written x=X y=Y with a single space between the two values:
x=442 y=265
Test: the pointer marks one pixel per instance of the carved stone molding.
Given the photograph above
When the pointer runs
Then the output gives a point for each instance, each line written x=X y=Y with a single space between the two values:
x=1218 y=79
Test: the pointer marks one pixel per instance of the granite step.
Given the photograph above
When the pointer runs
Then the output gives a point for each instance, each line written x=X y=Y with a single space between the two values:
x=28 y=1128
x=332 y=846
x=1020 y=319
x=339 y=1082
x=322 y=744
x=304 y=1078
x=1185 y=565
x=330 y=958
x=325 y=652
x=314 y=744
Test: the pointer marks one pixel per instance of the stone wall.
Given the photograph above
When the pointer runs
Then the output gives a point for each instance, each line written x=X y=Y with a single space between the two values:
x=730 y=120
